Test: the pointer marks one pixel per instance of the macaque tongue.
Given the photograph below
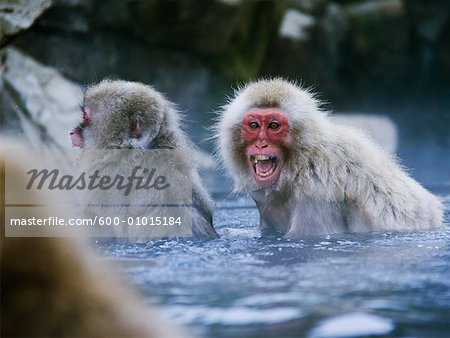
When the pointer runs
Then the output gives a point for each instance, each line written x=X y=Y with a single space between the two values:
x=263 y=166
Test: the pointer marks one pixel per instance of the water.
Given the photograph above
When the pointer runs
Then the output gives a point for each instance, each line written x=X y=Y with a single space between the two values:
x=241 y=285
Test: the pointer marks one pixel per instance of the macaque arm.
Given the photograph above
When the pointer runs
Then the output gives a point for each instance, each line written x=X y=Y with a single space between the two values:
x=202 y=218
x=265 y=226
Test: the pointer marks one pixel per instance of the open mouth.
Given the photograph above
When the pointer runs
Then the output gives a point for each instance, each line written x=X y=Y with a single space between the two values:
x=264 y=166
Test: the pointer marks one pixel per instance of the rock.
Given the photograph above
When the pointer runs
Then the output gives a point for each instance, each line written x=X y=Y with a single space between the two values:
x=47 y=104
x=372 y=59
x=380 y=128
x=331 y=31
x=429 y=18
x=379 y=8
x=333 y=28
x=68 y=16
x=359 y=54
x=312 y=7
x=182 y=76
x=16 y=15
x=295 y=25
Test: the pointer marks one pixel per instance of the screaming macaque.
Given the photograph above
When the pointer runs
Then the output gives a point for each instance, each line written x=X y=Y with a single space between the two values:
x=310 y=176
x=131 y=115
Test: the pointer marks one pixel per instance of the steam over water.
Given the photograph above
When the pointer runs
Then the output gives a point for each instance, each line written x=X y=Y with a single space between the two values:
x=241 y=285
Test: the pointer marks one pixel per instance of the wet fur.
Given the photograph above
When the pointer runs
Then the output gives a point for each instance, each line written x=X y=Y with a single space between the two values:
x=117 y=105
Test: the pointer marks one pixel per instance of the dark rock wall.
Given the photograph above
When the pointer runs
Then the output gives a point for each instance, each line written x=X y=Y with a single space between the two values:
x=388 y=56
x=375 y=49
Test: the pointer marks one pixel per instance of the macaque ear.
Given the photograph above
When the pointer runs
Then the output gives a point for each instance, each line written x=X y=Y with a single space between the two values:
x=87 y=115
x=136 y=127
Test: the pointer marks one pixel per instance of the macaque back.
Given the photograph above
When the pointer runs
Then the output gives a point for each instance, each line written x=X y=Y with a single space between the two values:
x=131 y=115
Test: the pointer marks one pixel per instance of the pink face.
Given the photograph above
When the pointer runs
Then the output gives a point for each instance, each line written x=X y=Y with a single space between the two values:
x=265 y=131
x=76 y=135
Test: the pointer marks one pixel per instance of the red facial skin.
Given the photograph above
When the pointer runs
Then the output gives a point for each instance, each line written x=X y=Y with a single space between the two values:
x=76 y=135
x=265 y=130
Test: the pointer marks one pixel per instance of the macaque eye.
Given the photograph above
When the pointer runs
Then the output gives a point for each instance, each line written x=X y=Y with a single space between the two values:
x=274 y=125
x=253 y=125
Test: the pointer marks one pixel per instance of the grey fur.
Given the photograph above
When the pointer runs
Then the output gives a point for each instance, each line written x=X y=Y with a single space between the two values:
x=115 y=106
x=335 y=179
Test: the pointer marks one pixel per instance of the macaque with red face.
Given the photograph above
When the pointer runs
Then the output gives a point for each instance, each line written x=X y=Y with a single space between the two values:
x=131 y=115
x=265 y=130
x=310 y=176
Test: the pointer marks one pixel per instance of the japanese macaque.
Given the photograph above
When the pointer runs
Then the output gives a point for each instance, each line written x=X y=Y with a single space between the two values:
x=131 y=115
x=310 y=176
x=56 y=287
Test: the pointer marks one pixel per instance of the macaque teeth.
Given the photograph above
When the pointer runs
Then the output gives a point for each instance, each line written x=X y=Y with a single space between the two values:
x=262 y=157
x=267 y=173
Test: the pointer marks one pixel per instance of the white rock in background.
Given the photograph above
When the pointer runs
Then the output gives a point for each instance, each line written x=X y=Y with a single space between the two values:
x=16 y=15
x=353 y=325
x=46 y=102
x=379 y=127
x=295 y=24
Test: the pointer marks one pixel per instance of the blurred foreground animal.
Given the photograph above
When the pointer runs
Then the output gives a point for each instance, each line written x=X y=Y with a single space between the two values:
x=55 y=287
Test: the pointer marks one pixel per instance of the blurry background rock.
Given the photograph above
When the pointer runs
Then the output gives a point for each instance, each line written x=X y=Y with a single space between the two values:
x=16 y=15
x=38 y=100
x=374 y=56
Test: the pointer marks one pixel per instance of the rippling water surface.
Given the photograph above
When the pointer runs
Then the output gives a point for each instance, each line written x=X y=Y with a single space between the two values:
x=241 y=285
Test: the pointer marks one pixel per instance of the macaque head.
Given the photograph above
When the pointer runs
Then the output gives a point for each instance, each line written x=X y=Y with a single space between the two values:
x=263 y=132
x=119 y=114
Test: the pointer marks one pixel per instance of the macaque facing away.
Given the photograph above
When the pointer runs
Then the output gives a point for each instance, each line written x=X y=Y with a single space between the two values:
x=131 y=115
x=310 y=176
